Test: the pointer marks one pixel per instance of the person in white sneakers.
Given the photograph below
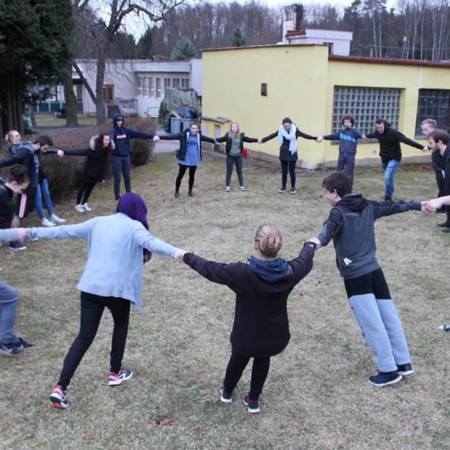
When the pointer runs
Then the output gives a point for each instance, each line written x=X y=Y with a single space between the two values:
x=112 y=279
x=98 y=154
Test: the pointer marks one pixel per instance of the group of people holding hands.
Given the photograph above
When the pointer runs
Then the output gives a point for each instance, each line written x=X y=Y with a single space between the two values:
x=262 y=285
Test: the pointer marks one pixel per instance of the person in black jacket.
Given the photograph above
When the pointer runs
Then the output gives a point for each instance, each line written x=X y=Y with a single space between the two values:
x=390 y=152
x=10 y=343
x=438 y=142
x=261 y=325
x=287 y=136
x=189 y=155
x=98 y=154
x=234 y=147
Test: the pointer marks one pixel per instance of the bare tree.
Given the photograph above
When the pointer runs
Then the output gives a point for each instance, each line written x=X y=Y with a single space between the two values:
x=103 y=32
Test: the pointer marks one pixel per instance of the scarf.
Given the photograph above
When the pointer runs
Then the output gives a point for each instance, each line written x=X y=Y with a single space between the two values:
x=291 y=137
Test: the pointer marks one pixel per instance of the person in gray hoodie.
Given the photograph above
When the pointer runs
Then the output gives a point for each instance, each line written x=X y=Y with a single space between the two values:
x=350 y=225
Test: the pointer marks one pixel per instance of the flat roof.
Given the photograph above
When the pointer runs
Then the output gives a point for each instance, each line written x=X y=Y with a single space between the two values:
x=390 y=61
x=251 y=47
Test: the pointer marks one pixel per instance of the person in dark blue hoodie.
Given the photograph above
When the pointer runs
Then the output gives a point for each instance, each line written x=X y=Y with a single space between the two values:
x=261 y=325
x=348 y=138
x=121 y=155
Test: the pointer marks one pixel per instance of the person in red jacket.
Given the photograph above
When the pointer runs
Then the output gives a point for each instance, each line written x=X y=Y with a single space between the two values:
x=261 y=325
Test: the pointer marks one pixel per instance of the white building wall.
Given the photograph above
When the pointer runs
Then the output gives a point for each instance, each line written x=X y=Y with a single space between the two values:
x=124 y=76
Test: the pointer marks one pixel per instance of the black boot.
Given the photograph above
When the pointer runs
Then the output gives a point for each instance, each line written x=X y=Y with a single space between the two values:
x=191 y=194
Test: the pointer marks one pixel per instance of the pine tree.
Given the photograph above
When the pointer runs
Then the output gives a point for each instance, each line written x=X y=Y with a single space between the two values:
x=184 y=49
x=238 y=39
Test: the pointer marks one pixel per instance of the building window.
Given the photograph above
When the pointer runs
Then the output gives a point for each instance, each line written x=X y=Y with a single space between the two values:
x=264 y=89
x=158 y=87
x=108 y=92
x=185 y=83
x=166 y=83
x=433 y=104
x=151 y=86
x=366 y=105
x=175 y=83
x=79 y=92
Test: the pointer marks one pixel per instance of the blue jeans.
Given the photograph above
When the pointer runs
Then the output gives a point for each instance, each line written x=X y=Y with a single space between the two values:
x=9 y=306
x=42 y=191
x=346 y=162
x=121 y=166
x=390 y=169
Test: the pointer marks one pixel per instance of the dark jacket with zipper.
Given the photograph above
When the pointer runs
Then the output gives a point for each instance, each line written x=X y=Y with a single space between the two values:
x=24 y=155
x=7 y=205
x=261 y=325
x=183 y=138
x=351 y=225
x=285 y=154
x=390 y=144
x=229 y=141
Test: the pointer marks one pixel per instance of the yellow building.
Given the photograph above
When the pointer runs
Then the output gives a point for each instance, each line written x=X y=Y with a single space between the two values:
x=259 y=86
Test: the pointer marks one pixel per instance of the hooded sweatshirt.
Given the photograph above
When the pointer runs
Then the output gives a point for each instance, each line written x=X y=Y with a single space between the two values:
x=351 y=226
x=121 y=136
x=261 y=325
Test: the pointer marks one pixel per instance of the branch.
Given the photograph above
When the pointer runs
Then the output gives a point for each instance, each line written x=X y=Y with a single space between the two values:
x=84 y=81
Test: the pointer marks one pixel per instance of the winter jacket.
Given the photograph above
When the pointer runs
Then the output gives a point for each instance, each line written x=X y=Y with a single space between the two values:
x=261 y=325
x=229 y=141
x=7 y=205
x=183 y=138
x=285 y=154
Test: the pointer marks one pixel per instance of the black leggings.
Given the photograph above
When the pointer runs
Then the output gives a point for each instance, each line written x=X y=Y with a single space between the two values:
x=236 y=366
x=180 y=176
x=285 y=166
x=84 y=192
x=92 y=307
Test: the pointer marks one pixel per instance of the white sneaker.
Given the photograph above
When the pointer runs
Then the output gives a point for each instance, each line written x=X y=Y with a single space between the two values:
x=242 y=189
x=56 y=219
x=79 y=208
x=228 y=189
x=47 y=223
x=87 y=207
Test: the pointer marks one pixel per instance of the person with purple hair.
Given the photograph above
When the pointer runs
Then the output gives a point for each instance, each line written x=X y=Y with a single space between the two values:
x=112 y=278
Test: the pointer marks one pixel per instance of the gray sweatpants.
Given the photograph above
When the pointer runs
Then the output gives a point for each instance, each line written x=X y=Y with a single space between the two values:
x=382 y=330
x=9 y=306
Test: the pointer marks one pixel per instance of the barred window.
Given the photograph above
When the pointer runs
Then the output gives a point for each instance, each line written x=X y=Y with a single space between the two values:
x=433 y=104
x=366 y=105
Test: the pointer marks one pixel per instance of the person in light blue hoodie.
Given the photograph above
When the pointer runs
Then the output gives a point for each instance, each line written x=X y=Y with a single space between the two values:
x=112 y=278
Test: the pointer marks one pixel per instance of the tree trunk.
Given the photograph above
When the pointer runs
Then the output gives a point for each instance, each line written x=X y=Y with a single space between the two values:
x=99 y=91
x=69 y=95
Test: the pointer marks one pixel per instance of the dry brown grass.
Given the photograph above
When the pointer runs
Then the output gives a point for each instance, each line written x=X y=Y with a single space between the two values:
x=316 y=397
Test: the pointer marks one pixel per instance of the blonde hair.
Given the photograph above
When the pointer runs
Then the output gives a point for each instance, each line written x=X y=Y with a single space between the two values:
x=431 y=122
x=238 y=132
x=269 y=240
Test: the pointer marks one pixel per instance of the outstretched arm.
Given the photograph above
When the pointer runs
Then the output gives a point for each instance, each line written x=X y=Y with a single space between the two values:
x=382 y=209
x=305 y=135
x=249 y=139
x=204 y=138
x=11 y=160
x=436 y=203
x=303 y=264
x=78 y=152
x=331 y=137
x=212 y=271
x=410 y=142
x=77 y=231
x=170 y=137
x=135 y=134
x=146 y=240
x=331 y=227
x=269 y=137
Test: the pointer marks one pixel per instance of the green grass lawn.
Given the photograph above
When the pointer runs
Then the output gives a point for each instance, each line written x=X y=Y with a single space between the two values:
x=317 y=395
x=49 y=120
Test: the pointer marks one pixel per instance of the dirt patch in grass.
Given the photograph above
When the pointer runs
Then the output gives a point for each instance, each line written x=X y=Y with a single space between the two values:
x=316 y=397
